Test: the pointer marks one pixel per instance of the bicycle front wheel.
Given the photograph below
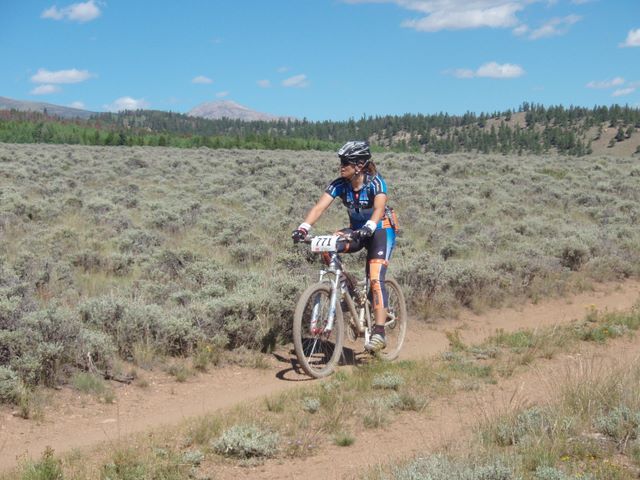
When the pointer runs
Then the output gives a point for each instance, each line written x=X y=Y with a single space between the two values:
x=318 y=349
x=396 y=324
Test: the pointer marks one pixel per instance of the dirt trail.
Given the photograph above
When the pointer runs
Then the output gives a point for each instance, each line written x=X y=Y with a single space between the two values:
x=447 y=423
x=74 y=421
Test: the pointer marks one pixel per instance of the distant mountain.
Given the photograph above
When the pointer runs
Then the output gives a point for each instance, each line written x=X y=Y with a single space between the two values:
x=56 y=110
x=232 y=110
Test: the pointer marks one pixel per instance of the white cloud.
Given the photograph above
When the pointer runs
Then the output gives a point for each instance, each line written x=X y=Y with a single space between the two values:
x=126 y=103
x=45 y=89
x=500 y=16
x=77 y=12
x=623 y=91
x=202 y=80
x=633 y=39
x=521 y=30
x=264 y=83
x=458 y=14
x=77 y=104
x=489 y=70
x=297 y=81
x=52 y=13
x=463 y=73
x=554 y=27
x=614 y=82
x=222 y=94
x=283 y=69
x=61 y=76
x=495 y=70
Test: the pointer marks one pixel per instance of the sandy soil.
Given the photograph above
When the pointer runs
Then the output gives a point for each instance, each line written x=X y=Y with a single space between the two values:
x=73 y=420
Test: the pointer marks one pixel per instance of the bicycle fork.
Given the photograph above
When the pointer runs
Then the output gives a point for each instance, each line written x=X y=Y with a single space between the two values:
x=315 y=328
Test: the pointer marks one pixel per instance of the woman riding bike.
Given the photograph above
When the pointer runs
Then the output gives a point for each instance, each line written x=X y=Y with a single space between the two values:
x=372 y=224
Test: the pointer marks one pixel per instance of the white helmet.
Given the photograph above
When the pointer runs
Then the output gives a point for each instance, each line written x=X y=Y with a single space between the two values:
x=354 y=152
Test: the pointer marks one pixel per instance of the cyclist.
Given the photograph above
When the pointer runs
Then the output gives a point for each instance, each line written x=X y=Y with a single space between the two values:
x=372 y=224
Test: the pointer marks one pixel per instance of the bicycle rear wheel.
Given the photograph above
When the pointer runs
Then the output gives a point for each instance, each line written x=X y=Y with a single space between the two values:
x=396 y=324
x=318 y=349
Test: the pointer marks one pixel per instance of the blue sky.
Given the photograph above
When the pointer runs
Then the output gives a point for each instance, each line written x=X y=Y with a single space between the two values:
x=321 y=59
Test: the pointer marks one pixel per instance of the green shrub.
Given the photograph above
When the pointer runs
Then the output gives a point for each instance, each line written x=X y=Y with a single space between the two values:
x=9 y=385
x=344 y=439
x=310 y=405
x=138 y=241
x=130 y=323
x=438 y=467
x=550 y=473
x=125 y=465
x=573 y=256
x=208 y=353
x=95 y=350
x=621 y=423
x=246 y=254
x=47 y=468
x=193 y=457
x=247 y=441
x=48 y=341
x=99 y=206
x=511 y=430
x=387 y=380
x=469 y=280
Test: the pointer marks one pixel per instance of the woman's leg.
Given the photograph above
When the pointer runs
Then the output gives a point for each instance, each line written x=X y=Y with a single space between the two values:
x=379 y=253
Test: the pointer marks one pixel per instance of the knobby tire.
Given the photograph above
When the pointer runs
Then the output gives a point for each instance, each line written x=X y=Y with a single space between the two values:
x=318 y=354
x=395 y=333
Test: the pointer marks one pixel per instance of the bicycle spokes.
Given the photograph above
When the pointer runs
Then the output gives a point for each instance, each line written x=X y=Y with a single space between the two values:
x=318 y=341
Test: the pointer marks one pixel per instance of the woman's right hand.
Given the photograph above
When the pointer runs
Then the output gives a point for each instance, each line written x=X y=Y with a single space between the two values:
x=300 y=233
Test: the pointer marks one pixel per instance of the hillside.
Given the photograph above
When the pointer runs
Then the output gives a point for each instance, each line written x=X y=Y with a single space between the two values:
x=532 y=128
x=42 y=107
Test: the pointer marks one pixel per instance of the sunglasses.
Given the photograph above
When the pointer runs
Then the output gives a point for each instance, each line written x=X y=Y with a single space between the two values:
x=346 y=162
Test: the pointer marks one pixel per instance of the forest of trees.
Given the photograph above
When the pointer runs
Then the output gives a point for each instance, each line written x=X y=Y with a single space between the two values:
x=546 y=129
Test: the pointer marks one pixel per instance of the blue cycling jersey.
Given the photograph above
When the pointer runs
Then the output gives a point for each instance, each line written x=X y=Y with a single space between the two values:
x=360 y=203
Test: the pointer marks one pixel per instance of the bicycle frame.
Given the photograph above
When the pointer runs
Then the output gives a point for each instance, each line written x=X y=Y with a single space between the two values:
x=359 y=320
x=319 y=321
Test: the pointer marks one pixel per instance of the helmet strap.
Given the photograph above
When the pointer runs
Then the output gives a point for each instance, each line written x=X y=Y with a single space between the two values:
x=361 y=168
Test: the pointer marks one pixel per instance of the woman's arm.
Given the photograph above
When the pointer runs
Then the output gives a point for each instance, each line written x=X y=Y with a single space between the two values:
x=318 y=209
x=379 y=203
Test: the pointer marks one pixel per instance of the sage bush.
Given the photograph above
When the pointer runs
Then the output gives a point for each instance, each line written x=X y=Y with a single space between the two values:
x=123 y=247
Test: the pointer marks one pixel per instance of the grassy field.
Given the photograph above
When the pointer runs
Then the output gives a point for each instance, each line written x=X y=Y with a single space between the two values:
x=111 y=253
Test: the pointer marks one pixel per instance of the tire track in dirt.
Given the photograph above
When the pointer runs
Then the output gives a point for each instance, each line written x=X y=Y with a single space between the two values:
x=72 y=420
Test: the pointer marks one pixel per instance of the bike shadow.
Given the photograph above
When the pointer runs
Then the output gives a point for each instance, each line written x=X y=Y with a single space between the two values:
x=294 y=372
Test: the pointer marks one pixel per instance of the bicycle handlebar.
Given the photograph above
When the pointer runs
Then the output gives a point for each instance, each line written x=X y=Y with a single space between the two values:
x=345 y=236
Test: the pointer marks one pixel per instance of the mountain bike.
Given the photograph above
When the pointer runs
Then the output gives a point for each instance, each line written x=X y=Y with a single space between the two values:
x=338 y=305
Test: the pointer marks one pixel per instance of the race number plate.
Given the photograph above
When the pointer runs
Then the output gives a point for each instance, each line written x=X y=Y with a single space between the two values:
x=324 y=243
